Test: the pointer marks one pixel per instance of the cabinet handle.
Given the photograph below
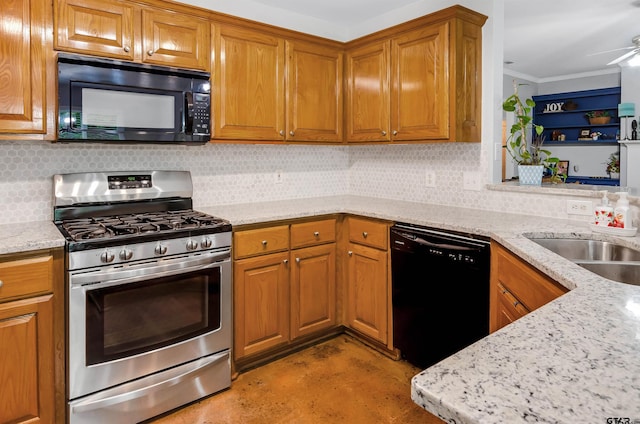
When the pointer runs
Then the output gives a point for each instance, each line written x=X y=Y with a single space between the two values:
x=127 y=49
x=264 y=242
x=365 y=234
x=384 y=133
x=291 y=133
x=350 y=253
x=282 y=133
x=150 y=52
x=515 y=303
x=297 y=260
x=286 y=261
x=395 y=132
x=316 y=234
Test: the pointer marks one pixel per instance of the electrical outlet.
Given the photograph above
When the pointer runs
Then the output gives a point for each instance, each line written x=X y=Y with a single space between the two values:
x=278 y=176
x=471 y=181
x=579 y=207
x=430 y=178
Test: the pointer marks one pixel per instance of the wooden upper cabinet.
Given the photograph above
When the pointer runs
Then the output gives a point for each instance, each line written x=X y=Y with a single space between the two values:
x=99 y=27
x=419 y=96
x=24 y=46
x=417 y=82
x=314 y=92
x=249 y=91
x=123 y=30
x=173 y=39
x=367 y=93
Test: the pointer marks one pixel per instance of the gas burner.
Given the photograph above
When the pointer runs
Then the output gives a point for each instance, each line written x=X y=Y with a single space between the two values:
x=103 y=227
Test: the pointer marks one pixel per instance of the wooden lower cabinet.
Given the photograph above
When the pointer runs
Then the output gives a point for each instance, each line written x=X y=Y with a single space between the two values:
x=313 y=289
x=368 y=295
x=284 y=286
x=261 y=303
x=517 y=288
x=29 y=327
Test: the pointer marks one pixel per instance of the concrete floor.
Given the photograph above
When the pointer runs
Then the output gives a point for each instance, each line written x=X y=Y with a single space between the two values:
x=338 y=381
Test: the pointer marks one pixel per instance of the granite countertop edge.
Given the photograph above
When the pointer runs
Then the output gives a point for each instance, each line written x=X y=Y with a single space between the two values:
x=573 y=360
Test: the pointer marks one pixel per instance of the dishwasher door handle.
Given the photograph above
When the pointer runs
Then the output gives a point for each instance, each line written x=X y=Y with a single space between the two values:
x=410 y=238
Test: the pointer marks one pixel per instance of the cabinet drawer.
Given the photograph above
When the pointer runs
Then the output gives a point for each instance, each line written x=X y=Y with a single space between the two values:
x=311 y=233
x=260 y=241
x=524 y=282
x=26 y=277
x=368 y=232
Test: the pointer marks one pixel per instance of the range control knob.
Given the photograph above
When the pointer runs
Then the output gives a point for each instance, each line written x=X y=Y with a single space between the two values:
x=192 y=245
x=206 y=243
x=126 y=254
x=107 y=256
x=160 y=249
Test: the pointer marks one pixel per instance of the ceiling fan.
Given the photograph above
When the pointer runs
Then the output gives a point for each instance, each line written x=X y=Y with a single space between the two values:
x=636 y=49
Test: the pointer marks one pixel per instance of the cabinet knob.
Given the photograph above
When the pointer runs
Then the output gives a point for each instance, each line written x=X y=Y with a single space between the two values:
x=297 y=260
x=150 y=52
x=282 y=133
x=316 y=234
x=350 y=253
x=1 y=283
x=384 y=133
x=365 y=234
x=395 y=132
x=291 y=133
x=127 y=49
x=286 y=261
x=264 y=242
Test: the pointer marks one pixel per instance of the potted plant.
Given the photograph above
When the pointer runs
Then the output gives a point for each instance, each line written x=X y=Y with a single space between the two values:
x=599 y=117
x=531 y=158
x=613 y=166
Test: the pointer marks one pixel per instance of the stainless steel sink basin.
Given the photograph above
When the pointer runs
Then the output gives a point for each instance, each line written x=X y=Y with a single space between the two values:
x=622 y=272
x=588 y=250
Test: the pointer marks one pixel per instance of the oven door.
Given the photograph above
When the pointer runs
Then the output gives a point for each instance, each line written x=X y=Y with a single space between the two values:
x=133 y=321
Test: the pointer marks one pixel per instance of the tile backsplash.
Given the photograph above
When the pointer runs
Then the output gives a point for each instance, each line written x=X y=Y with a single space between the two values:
x=232 y=174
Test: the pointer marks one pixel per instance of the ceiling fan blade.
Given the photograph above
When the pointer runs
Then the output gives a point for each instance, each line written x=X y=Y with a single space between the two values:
x=612 y=50
x=624 y=56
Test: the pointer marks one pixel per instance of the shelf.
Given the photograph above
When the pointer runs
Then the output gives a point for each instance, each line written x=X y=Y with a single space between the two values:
x=593 y=180
x=605 y=142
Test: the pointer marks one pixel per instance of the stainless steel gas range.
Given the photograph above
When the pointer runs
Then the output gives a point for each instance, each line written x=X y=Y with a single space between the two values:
x=148 y=295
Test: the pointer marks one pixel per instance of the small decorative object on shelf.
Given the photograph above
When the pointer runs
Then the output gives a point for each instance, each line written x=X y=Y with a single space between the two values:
x=626 y=110
x=570 y=105
x=634 y=133
x=613 y=165
x=599 y=117
x=594 y=135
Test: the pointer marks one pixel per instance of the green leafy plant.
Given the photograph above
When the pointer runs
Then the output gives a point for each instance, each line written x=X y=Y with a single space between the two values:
x=613 y=163
x=598 y=113
x=520 y=149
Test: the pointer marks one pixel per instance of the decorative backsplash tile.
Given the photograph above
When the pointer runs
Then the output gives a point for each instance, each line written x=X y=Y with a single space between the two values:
x=232 y=174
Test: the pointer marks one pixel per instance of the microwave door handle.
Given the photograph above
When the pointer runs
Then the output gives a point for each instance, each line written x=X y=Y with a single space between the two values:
x=188 y=117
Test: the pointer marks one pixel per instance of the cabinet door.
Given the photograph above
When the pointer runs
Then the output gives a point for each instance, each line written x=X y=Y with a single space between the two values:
x=367 y=305
x=26 y=361
x=313 y=289
x=249 y=85
x=261 y=303
x=173 y=39
x=314 y=93
x=23 y=50
x=420 y=84
x=367 y=96
x=96 y=27
x=508 y=309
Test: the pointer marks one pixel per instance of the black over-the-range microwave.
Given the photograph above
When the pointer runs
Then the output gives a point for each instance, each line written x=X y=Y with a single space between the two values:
x=104 y=100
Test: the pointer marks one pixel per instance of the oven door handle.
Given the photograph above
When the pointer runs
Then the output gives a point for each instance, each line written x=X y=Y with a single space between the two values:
x=105 y=278
x=94 y=402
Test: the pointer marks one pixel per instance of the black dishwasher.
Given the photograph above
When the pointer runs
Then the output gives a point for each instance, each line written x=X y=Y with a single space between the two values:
x=440 y=292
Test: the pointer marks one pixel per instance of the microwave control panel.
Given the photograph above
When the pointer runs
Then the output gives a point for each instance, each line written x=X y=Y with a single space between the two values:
x=201 y=113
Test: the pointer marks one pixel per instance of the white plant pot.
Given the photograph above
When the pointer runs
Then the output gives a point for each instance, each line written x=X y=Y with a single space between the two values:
x=530 y=174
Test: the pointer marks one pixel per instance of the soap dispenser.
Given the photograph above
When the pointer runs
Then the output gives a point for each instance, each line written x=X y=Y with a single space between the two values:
x=621 y=217
x=604 y=212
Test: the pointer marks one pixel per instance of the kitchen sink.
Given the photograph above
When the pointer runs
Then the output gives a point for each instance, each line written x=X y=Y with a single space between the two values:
x=588 y=250
x=609 y=260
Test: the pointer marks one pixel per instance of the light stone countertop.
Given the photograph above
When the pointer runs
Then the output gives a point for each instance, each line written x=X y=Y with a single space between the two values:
x=576 y=359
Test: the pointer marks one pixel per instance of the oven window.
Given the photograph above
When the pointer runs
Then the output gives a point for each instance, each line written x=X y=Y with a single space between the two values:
x=135 y=318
